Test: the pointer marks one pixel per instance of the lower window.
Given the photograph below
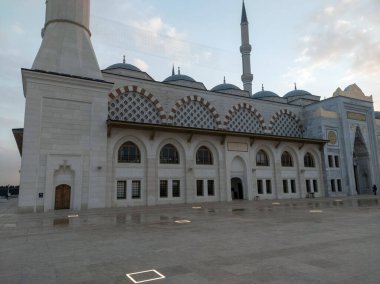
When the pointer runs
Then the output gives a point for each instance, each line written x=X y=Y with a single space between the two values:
x=199 y=187
x=176 y=187
x=332 y=185
x=293 y=186
x=339 y=182
x=136 y=189
x=285 y=186
x=163 y=188
x=315 y=185
x=210 y=187
x=260 y=186
x=308 y=186
x=268 y=186
x=121 y=192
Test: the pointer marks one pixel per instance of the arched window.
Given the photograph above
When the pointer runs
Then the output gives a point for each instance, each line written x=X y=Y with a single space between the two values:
x=308 y=160
x=204 y=156
x=286 y=160
x=129 y=153
x=262 y=159
x=169 y=155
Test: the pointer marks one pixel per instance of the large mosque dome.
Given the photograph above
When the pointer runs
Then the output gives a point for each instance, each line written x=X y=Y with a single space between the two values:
x=178 y=77
x=264 y=94
x=297 y=93
x=125 y=66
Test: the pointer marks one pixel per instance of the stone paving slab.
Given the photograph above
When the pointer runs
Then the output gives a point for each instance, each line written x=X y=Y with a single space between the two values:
x=238 y=242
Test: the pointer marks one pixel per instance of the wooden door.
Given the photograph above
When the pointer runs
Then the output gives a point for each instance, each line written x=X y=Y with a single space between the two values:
x=62 y=196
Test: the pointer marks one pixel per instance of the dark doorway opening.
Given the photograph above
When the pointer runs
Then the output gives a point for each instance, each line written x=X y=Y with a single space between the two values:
x=237 y=189
x=361 y=164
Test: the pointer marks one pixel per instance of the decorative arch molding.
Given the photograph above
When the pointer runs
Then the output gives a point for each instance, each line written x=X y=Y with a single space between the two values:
x=294 y=153
x=130 y=138
x=214 y=150
x=178 y=144
x=269 y=151
x=316 y=156
x=180 y=106
x=285 y=123
x=245 y=123
x=153 y=110
x=238 y=165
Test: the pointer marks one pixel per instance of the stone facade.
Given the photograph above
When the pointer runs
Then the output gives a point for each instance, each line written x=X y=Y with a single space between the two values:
x=119 y=138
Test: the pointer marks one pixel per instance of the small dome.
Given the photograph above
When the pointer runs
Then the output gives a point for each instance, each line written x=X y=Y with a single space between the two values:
x=264 y=94
x=297 y=93
x=124 y=66
x=178 y=77
x=224 y=87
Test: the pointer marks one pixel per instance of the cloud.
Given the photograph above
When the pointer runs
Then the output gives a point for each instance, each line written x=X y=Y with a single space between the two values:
x=142 y=65
x=344 y=32
x=17 y=29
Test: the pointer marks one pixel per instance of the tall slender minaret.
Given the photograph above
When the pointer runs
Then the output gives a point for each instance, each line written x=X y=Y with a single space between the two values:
x=245 y=50
x=66 y=46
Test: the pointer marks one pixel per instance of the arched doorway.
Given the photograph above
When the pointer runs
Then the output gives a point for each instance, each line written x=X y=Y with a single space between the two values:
x=361 y=164
x=237 y=189
x=62 y=197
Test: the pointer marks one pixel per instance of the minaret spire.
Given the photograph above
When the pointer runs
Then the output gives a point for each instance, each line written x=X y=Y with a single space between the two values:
x=244 y=18
x=245 y=50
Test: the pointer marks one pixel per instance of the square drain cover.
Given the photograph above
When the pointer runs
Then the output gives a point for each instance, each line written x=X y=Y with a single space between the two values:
x=145 y=276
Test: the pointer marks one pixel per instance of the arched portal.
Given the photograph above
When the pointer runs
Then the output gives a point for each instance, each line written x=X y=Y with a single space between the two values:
x=238 y=176
x=237 y=189
x=62 y=197
x=361 y=164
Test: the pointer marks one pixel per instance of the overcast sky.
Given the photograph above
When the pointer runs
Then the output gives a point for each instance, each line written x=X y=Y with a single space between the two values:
x=320 y=44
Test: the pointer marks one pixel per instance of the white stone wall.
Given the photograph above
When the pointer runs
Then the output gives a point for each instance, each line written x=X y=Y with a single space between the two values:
x=64 y=126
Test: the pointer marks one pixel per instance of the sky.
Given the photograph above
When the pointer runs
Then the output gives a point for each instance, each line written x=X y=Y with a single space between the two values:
x=321 y=45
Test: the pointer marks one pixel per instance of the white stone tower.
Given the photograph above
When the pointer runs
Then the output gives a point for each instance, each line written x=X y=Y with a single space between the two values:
x=65 y=134
x=245 y=50
x=66 y=47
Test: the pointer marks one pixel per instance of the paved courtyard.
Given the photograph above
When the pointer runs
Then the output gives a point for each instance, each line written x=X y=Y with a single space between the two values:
x=292 y=241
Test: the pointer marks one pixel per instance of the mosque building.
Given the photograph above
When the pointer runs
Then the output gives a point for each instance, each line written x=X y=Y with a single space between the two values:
x=117 y=138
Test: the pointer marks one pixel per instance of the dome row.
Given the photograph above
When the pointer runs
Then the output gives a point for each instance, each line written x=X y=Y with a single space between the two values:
x=218 y=88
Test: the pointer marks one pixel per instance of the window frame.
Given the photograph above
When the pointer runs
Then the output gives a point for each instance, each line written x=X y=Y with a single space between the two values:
x=200 y=188
x=337 y=161
x=339 y=184
x=260 y=187
x=315 y=186
x=175 y=189
x=332 y=184
x=164 y=189
x=285 y=187
x=268 y=186
x=128 y=158
x=211 y=190
x=122 y=196
x=262 y=159
x=293 y=186
x=308 y=160
x=166 y=152
x=204 y=156
x=133 y=190
x=330 y=161
x=287 y=160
